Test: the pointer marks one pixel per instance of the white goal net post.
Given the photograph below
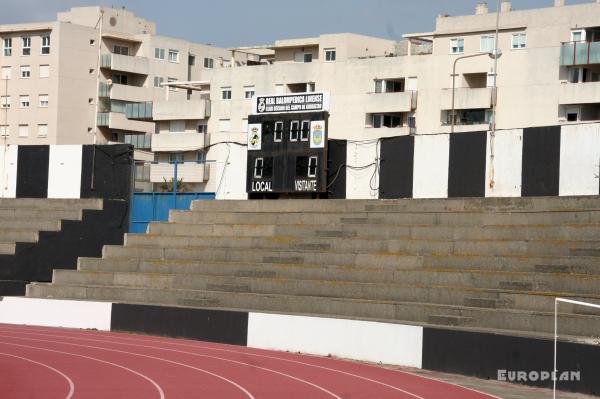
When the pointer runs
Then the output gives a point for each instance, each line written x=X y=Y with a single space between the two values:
x=556 y=302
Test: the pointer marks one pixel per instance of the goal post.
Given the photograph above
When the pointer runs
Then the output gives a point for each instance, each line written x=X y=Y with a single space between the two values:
x=556 y=302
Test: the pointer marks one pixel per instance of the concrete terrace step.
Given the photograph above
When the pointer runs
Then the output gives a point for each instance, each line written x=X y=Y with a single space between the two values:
x=39 y=224
x=411 y=312
x=24 y=213
x=50 y=204
x=523 y=281
x=7 y=248
x=509 y=297
x=416 y=246
x=574 y=232
x=479 y=218
x=15 y=235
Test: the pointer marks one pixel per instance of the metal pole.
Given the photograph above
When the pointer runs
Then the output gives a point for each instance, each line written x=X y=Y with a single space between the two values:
x=495 y=96
x=101 y=22
x=555 y=373
x=175 y=185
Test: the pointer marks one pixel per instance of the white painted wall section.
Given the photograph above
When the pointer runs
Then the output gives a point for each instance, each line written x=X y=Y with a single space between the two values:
x=64 y=171
x=352 y=339
x=503 y=169
x=362 y=183
x=8 y=171
x=430 y=177
x=579 y=160
x=55 y=313
x=230 y=176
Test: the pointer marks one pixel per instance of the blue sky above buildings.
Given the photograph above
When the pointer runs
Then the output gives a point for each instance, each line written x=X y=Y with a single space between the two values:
x=229 y=23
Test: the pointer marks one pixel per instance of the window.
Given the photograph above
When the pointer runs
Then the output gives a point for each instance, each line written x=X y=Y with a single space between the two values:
x=43 y=100
x=310 y=87
x=202 y=128
x=278 y=132
x=248 y=92
x=5 y=101
x=119 y=79
x=312 y=166
x=158 y=81
x=171 y=80
x=378 y=86
x=578 y=36
x=572 y=114
x=43 y=130
x=258 y=168
x=519 y=41
x=7 y=47
x=294 y=130
x=488 y=43
x=46 y=45
x=120 y=49
x=176 y=157
x=26 y=48
x=382 y=120
x=4 y=130
x=457 y=46
x=200 y=156
x=308 y=57
x=177 y=126
x=44 y=71
x=191 y=60
x=305 y=132
x=209 y=63
x=23 y=130
x=226 y=93
x=25 y=71
x=330 y=55
x=24 y=101
x=159 y=53
x=173 y=56
x=6 y=72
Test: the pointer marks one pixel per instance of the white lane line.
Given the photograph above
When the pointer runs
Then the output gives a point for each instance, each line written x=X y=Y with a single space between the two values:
x=241 y=388
x=195 y=354
x=158 y=388
x=66 y=377
x=287 y=360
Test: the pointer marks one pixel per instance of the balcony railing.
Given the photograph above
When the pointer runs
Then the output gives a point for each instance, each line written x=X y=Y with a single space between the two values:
x=125 y=63
x=140 y=111
x=579 y=53
x=405 y=101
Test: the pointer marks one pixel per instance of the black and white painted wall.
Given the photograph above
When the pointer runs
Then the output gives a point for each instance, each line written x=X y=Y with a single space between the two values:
x=537 y=161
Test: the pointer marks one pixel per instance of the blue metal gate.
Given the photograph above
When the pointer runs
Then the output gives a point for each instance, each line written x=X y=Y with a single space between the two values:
x=151 y=207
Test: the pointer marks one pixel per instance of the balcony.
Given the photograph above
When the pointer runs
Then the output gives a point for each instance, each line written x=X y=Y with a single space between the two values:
x=391 y=102
x=371 y=132
x=124 y=92
x=579 y=53
x=579 y=93
x=181 y=110
x=125 y=63
x=179 y=142
x=187 y=172
x=116 y=120
x=467 y=98
x=139 y=111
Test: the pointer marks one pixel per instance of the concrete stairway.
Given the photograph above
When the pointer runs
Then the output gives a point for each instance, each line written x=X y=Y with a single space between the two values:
x=23 y=219
x=467 y=263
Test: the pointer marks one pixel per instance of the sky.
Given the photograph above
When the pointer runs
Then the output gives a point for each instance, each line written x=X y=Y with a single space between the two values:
x=231 y=23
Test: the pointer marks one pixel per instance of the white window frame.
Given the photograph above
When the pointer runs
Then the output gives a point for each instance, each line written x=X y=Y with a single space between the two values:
x=26 y=45
x=226 y=93
x=278 y=133
x=7 y=43
x=44 y=100
x=176 y=157
x=454 y=45
x=159 y=53
x=172 y=88
x=202 y=128
x=581 y=32
x=313 y=162
x=373 y=124
x=484 y=40
x=41 y=128
x=24 y=101
x=120 y=47
x=174 y=56
x=45 y=45
x=45 y=67
x=521 y=41
x=5 y=102
x=304 y=58
x=302 y=130
x=158 y=81
x=25 y=71
x=330 y=55
x=294 y=133
x=23 y=130
x=209 y=63
x=258 y=173
x=247 y=90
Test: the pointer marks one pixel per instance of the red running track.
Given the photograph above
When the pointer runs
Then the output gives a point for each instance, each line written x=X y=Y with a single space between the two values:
x=52 y=363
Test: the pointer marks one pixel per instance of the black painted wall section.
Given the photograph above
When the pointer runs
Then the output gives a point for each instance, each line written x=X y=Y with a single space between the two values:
x=466 y=171
x=396 y=168
x=112 y=171
x=226 y=327
x=541 y=161
x=483 y=354
x=32 y=171
x=336 y=173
